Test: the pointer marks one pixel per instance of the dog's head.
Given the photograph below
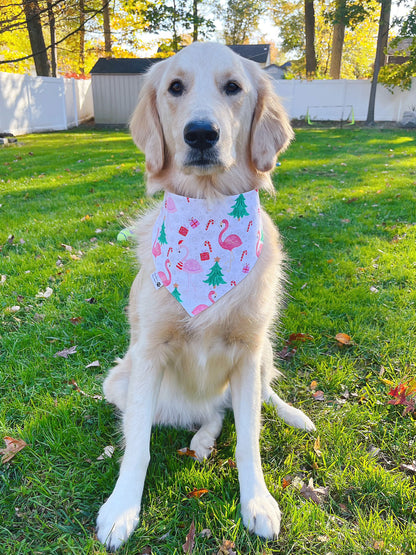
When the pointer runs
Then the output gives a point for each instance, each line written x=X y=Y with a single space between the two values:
x=207 y=112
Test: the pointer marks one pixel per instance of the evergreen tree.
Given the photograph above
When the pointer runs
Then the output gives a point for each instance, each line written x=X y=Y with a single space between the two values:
x=240 y=208
x=215 y=276
x=176 y=293
x=162 y=237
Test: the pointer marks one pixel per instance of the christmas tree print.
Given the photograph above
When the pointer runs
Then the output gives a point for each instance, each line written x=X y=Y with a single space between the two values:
x=240 y=208
x=215 y=276
x=162 y=237
x=176 y=293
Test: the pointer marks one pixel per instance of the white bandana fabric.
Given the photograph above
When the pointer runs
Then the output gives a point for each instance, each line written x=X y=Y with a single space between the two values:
x=202 y=249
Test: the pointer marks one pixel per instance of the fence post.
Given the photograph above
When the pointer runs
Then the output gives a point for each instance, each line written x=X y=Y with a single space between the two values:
x=74 y=92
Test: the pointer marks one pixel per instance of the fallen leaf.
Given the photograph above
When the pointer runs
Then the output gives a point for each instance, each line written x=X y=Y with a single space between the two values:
x=66 y=247
x=3 y=279
x=13 y=446
x=186 y=452
x=317 y=495
x=286 y=482
x=344 y=339
x=147 y=550
x=314 y=385
x=378 y=545
x=10 y=239
x=76 y=320
x=227 y=548
x=319 y=395
x=12 y=309
x=107 y=453
x=232 y=463
x=287 y=353
x=46 y=294
x=205 y=533
x=66 y=352
x=87 y=217
x=91 y=300
x=300 y=337
x=188 y=546
x=93 y=364
x=409 y=467
x=196 y=493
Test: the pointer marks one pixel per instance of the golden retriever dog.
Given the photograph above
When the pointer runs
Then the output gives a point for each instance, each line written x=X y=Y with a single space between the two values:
x=211 y=127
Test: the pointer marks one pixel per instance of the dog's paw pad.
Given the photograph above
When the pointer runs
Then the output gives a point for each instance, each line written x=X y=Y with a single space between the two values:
x=116 y=522
x=261 y=515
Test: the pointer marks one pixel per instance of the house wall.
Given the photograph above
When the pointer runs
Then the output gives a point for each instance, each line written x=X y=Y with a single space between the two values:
x=115 y=97
x=32 y=104
x=336 y=99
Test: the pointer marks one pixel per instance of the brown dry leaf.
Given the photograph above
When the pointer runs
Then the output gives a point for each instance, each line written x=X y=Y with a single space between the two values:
x=286 y=482
x=300 y=337
x=188 y=546
x=76 y=320
x=378 y=545
x=287 y=353
x=232 y=463
x=147 y=550
x=196 y=493
x=318 y=395
x=66 y=352
x=344 y=339
x=227 y=548
x=66 y=247
x=13 y=446
x=79 y=390
x=186 y=452
x=317 y=495
x=313 y=385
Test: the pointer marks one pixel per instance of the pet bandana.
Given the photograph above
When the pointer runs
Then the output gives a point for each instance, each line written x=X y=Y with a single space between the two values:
x=202 y=249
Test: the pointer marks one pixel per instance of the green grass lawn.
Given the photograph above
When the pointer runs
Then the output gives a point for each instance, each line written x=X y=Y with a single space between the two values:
x=346 y=208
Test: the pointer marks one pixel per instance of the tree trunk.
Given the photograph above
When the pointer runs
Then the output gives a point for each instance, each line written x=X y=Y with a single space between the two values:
x=336 y=51
x=195 y=20
x=107 y=29
x=52 y=32
x=81 y=37
x=310 y=38
x=37 y=42
x=382 y=39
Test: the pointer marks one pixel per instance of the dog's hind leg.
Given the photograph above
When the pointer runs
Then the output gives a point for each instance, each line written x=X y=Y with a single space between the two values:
x=204 y=439
x=291 y=415
x=116 y=384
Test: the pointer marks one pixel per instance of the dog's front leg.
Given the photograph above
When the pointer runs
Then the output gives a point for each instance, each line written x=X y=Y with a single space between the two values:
x=119 y=516
x=260 y=511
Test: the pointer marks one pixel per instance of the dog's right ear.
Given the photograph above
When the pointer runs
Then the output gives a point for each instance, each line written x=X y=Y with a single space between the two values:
x=145 y=127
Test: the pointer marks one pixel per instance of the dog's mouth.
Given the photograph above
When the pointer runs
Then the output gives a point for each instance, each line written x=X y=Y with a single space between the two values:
x=203 y=159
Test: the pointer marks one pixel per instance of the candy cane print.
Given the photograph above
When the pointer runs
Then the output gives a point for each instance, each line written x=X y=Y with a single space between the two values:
x=233 y=283
x=243 y=255
x=208 y=244
x=208 y=224
x=250 y=223
x=169 y=251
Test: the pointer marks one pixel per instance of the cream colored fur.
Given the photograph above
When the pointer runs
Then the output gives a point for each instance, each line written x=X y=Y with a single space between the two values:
x=186 y=371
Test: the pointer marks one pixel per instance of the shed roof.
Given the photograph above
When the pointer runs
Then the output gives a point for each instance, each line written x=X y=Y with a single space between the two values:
x=255 y=52
x=123 y=65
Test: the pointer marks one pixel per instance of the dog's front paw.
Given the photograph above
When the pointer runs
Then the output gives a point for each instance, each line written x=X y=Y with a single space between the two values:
x=203 y=444
x=261 y=515
x=117 y=520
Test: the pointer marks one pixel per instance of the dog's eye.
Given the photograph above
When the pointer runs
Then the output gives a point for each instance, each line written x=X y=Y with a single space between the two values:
x=232 y=88
x=176 y=88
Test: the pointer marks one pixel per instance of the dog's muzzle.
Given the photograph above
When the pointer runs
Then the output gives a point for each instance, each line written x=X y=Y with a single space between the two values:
x=202 y=136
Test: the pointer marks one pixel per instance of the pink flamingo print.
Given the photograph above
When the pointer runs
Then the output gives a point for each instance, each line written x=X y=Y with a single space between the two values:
x=202 y=307
x=259 y=244
x=165 y=279
x=188 y=265
x=229 y=243
x=156 y=249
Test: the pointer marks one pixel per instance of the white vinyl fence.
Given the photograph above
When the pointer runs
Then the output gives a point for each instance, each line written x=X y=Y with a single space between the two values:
x=342 y=100
x=32 y=104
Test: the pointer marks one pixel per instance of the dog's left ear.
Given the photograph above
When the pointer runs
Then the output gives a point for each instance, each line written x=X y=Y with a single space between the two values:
x=271 y=131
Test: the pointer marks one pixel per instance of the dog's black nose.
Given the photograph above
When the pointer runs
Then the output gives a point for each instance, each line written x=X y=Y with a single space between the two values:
x=201 y=134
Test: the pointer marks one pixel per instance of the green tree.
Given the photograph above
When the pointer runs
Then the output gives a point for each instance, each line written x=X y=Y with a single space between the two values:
x=162 y=237
x=401 y=75
x=176 y=293
x=240 y=208
x=215 y=276
x=240 y=20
